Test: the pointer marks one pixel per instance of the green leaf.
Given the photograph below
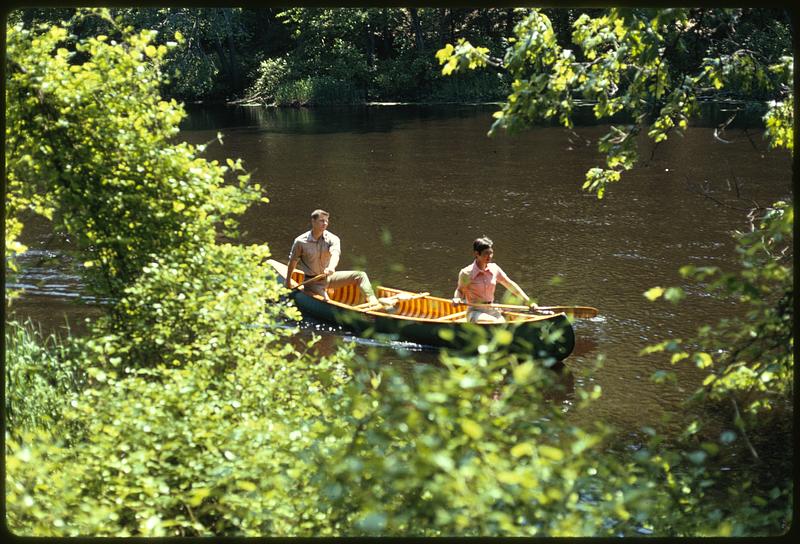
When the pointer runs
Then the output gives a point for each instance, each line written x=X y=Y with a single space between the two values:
x=674 y=294
x=197 y=495
x=503 y=337
x=703 y=360
x=246 y=485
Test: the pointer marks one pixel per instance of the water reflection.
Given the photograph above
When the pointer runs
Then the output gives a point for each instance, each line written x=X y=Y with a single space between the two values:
x=322 y=120
x=385 y=118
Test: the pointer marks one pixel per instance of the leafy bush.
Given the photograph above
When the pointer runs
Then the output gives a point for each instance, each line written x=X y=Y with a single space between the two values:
x=185 y=409
x=271 y=73
x=290 y=443
x=208 y=307
x=294 y=93
x=174 y=451
x=480 y=86
x=471 y=449
x=317 y=91
x=192 y=78
x=406 y=77
x=89 y=145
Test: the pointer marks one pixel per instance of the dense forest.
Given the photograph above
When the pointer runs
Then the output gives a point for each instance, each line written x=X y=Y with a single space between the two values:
x=314 y=56
x=183 y=410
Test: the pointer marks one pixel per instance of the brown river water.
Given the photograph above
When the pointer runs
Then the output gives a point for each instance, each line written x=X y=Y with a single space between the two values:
x=410 y=187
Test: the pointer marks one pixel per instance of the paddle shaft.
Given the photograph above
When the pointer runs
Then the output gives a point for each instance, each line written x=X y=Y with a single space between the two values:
x=312 y=280
x=577 y=311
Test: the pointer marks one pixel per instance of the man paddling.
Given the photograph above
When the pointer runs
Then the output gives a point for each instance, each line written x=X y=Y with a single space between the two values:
x=316 y=252
x=477 y=282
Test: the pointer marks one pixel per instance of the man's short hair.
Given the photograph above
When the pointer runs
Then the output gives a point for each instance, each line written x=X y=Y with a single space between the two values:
x=316 y=214
x=482 y=243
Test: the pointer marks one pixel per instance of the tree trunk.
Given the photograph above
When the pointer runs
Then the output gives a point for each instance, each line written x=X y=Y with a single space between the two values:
x=417 y=28
x=445 y=29
x=233 y=64
x=510 y=22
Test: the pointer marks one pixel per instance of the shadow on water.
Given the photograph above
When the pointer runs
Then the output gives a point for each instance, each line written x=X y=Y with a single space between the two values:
x=363 y=119
x=322 y=120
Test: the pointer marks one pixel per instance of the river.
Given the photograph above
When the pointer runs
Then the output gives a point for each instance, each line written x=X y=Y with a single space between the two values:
x=410 y=187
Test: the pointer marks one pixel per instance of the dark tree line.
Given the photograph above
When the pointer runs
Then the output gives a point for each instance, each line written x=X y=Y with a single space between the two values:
x=329 y=55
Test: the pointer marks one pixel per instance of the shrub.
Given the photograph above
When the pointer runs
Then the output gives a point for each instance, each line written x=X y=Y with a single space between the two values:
x=174 y=451
x=475 y=86
x=318 y=91
x=271 y=73
x=39 y=373
x=89 y=145
x=406 y=77
x=210 y=307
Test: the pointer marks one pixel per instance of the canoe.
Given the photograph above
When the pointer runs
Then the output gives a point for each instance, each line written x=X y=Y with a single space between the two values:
x=432 y=321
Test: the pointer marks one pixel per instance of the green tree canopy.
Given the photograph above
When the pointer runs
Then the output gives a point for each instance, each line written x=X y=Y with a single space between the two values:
x=652 y=64
x=89 y=146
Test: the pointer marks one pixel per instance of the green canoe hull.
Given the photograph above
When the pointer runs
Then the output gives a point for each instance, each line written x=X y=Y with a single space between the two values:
x=550 y=338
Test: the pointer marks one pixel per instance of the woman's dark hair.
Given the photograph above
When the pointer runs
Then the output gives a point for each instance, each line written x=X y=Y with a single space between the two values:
x=482 y=243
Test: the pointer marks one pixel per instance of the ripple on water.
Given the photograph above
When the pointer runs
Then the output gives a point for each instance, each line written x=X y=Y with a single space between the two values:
x=48 y=273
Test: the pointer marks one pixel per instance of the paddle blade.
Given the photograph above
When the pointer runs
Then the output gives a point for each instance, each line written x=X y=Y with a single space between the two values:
x=579 y=312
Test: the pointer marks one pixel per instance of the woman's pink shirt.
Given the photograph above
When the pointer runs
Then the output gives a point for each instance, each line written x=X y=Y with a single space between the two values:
x=478 y=285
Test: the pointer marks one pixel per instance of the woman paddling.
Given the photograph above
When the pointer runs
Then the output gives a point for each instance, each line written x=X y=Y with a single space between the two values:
x=477 y=282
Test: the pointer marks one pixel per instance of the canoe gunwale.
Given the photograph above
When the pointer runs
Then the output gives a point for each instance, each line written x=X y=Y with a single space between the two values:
x=521 y=316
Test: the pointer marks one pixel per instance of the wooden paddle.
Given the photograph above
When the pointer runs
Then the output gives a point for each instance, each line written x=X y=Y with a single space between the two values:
x=312 y=280
x=580 y=312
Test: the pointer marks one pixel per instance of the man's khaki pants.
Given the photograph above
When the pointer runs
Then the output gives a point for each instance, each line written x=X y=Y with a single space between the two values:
x=340 y=279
